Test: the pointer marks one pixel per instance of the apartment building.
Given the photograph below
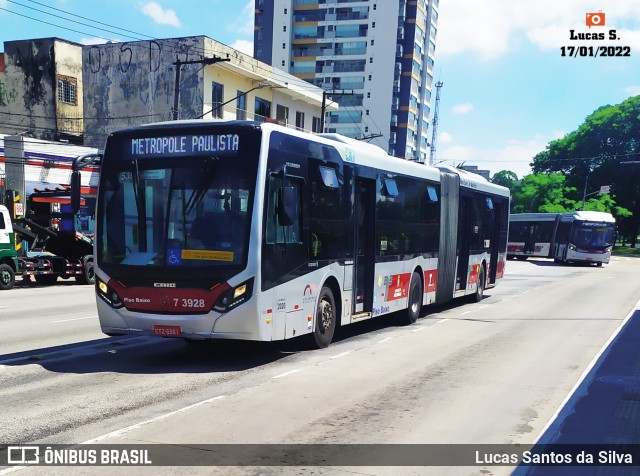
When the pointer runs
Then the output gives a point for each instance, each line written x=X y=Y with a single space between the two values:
x=375 y=58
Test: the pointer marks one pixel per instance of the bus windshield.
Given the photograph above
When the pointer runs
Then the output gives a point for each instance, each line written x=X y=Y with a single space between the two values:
x=593 y=234
x=193 y=212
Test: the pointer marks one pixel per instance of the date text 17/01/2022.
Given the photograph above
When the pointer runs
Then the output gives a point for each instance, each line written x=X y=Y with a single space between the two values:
x=599 y=50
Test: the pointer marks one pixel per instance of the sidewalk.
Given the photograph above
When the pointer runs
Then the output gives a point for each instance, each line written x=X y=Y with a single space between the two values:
x=603 y=410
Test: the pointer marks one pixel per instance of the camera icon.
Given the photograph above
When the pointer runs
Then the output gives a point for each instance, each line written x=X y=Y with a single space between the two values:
x=595 y=19
x=23 y=455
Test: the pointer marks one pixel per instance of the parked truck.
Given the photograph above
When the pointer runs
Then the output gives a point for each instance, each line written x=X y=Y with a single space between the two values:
x=9 y=265
x=54 y=238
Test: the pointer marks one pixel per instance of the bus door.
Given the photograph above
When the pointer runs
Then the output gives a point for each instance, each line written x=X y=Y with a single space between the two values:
x=498 y=235
x=365 y=245
x=464 y=241
x=531 y=238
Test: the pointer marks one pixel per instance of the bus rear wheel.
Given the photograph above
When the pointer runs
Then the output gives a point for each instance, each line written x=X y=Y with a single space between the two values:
x=479 y=294
x=325 y=319
x=414 y=306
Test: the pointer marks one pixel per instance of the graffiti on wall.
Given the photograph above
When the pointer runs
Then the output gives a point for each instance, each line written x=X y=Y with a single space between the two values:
x=133 y=83
x=7 y=95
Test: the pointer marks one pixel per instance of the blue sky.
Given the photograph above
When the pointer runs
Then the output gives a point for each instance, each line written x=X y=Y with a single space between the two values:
x=507 y=90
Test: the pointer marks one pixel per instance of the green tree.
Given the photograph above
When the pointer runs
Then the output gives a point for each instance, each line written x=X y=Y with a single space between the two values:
x=602 y=151
x=542 y=193
x=506 y=178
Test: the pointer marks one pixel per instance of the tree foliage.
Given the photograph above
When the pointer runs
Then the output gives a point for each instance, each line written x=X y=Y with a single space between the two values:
x=604 y=150
x=542 y=193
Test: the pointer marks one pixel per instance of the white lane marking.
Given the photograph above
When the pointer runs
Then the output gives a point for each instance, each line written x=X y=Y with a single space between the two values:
x=418 y=329
x=384 y=340
x=287 y=373
x=118 y=433
x=75 y=319
x=337 y=356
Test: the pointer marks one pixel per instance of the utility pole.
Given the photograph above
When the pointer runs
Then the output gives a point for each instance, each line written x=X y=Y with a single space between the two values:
x=434 y=133
x=323 y=109
x=370 y=137
x=178 y=64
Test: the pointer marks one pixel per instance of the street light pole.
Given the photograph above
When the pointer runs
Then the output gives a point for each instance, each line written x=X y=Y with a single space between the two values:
x=178 y=64
x=584 y=191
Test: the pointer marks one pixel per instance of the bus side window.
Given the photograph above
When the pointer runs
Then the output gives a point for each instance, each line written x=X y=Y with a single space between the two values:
x=284 y=212
x=287 y=206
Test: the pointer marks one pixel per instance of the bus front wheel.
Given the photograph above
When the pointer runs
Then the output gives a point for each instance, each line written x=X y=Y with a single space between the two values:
x=325 y=319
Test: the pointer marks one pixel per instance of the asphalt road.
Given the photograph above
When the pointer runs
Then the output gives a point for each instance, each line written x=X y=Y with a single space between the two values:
x=495 y=372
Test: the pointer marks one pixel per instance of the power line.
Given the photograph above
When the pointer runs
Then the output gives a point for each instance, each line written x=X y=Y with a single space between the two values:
x=88 y=19
x=63 y=18
x=80 y=118
x=272 y=71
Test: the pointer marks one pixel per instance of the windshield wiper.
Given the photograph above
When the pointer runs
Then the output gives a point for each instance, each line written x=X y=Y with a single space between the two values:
x=138 y=193
x=207 y=173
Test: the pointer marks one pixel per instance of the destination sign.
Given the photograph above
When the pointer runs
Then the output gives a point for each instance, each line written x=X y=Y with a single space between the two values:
x=597 y=224
x=177 y=146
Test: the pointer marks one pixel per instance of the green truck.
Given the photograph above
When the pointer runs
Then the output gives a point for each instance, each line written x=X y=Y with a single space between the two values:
x=9 y=265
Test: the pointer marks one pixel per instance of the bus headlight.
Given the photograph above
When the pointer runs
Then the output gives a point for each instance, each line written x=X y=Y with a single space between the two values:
x=572 y=247
x=234 y=296
x=107 y=294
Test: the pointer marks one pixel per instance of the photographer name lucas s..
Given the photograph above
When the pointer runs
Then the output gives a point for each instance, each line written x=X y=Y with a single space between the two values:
x=573 y=35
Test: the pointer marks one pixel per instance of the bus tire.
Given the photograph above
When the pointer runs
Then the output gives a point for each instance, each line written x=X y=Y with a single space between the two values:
x=414 y=304
x=325 y=325
x=7 y=276
x=479 y=294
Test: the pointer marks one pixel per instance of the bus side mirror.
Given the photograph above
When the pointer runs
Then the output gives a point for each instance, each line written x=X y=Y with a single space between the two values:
x=75 y=191
x=287 y=206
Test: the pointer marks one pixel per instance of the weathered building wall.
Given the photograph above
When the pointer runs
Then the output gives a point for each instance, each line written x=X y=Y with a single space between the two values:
x=68 y=64
x=28 y=89
x=127 y=84
x=27 y=102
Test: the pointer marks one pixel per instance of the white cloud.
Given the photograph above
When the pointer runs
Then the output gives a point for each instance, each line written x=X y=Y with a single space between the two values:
x=245 y=46
x=244 y=24
x=633 y=90
x=492 y=28
x=444 y=138
x=462 y=109
x=514 y=155
x=160 y=15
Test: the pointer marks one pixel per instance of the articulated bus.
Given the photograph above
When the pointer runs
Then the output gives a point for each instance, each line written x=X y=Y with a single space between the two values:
x=573 y=237
x=247 y=230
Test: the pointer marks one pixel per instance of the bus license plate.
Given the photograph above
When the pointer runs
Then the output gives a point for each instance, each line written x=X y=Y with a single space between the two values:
x=166 y=331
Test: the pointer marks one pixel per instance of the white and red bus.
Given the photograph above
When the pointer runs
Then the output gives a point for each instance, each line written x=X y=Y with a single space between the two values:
x=246 y=230
x=572 y=237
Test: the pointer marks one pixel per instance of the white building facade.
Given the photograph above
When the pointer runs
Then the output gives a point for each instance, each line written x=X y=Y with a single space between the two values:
x=375 y=58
